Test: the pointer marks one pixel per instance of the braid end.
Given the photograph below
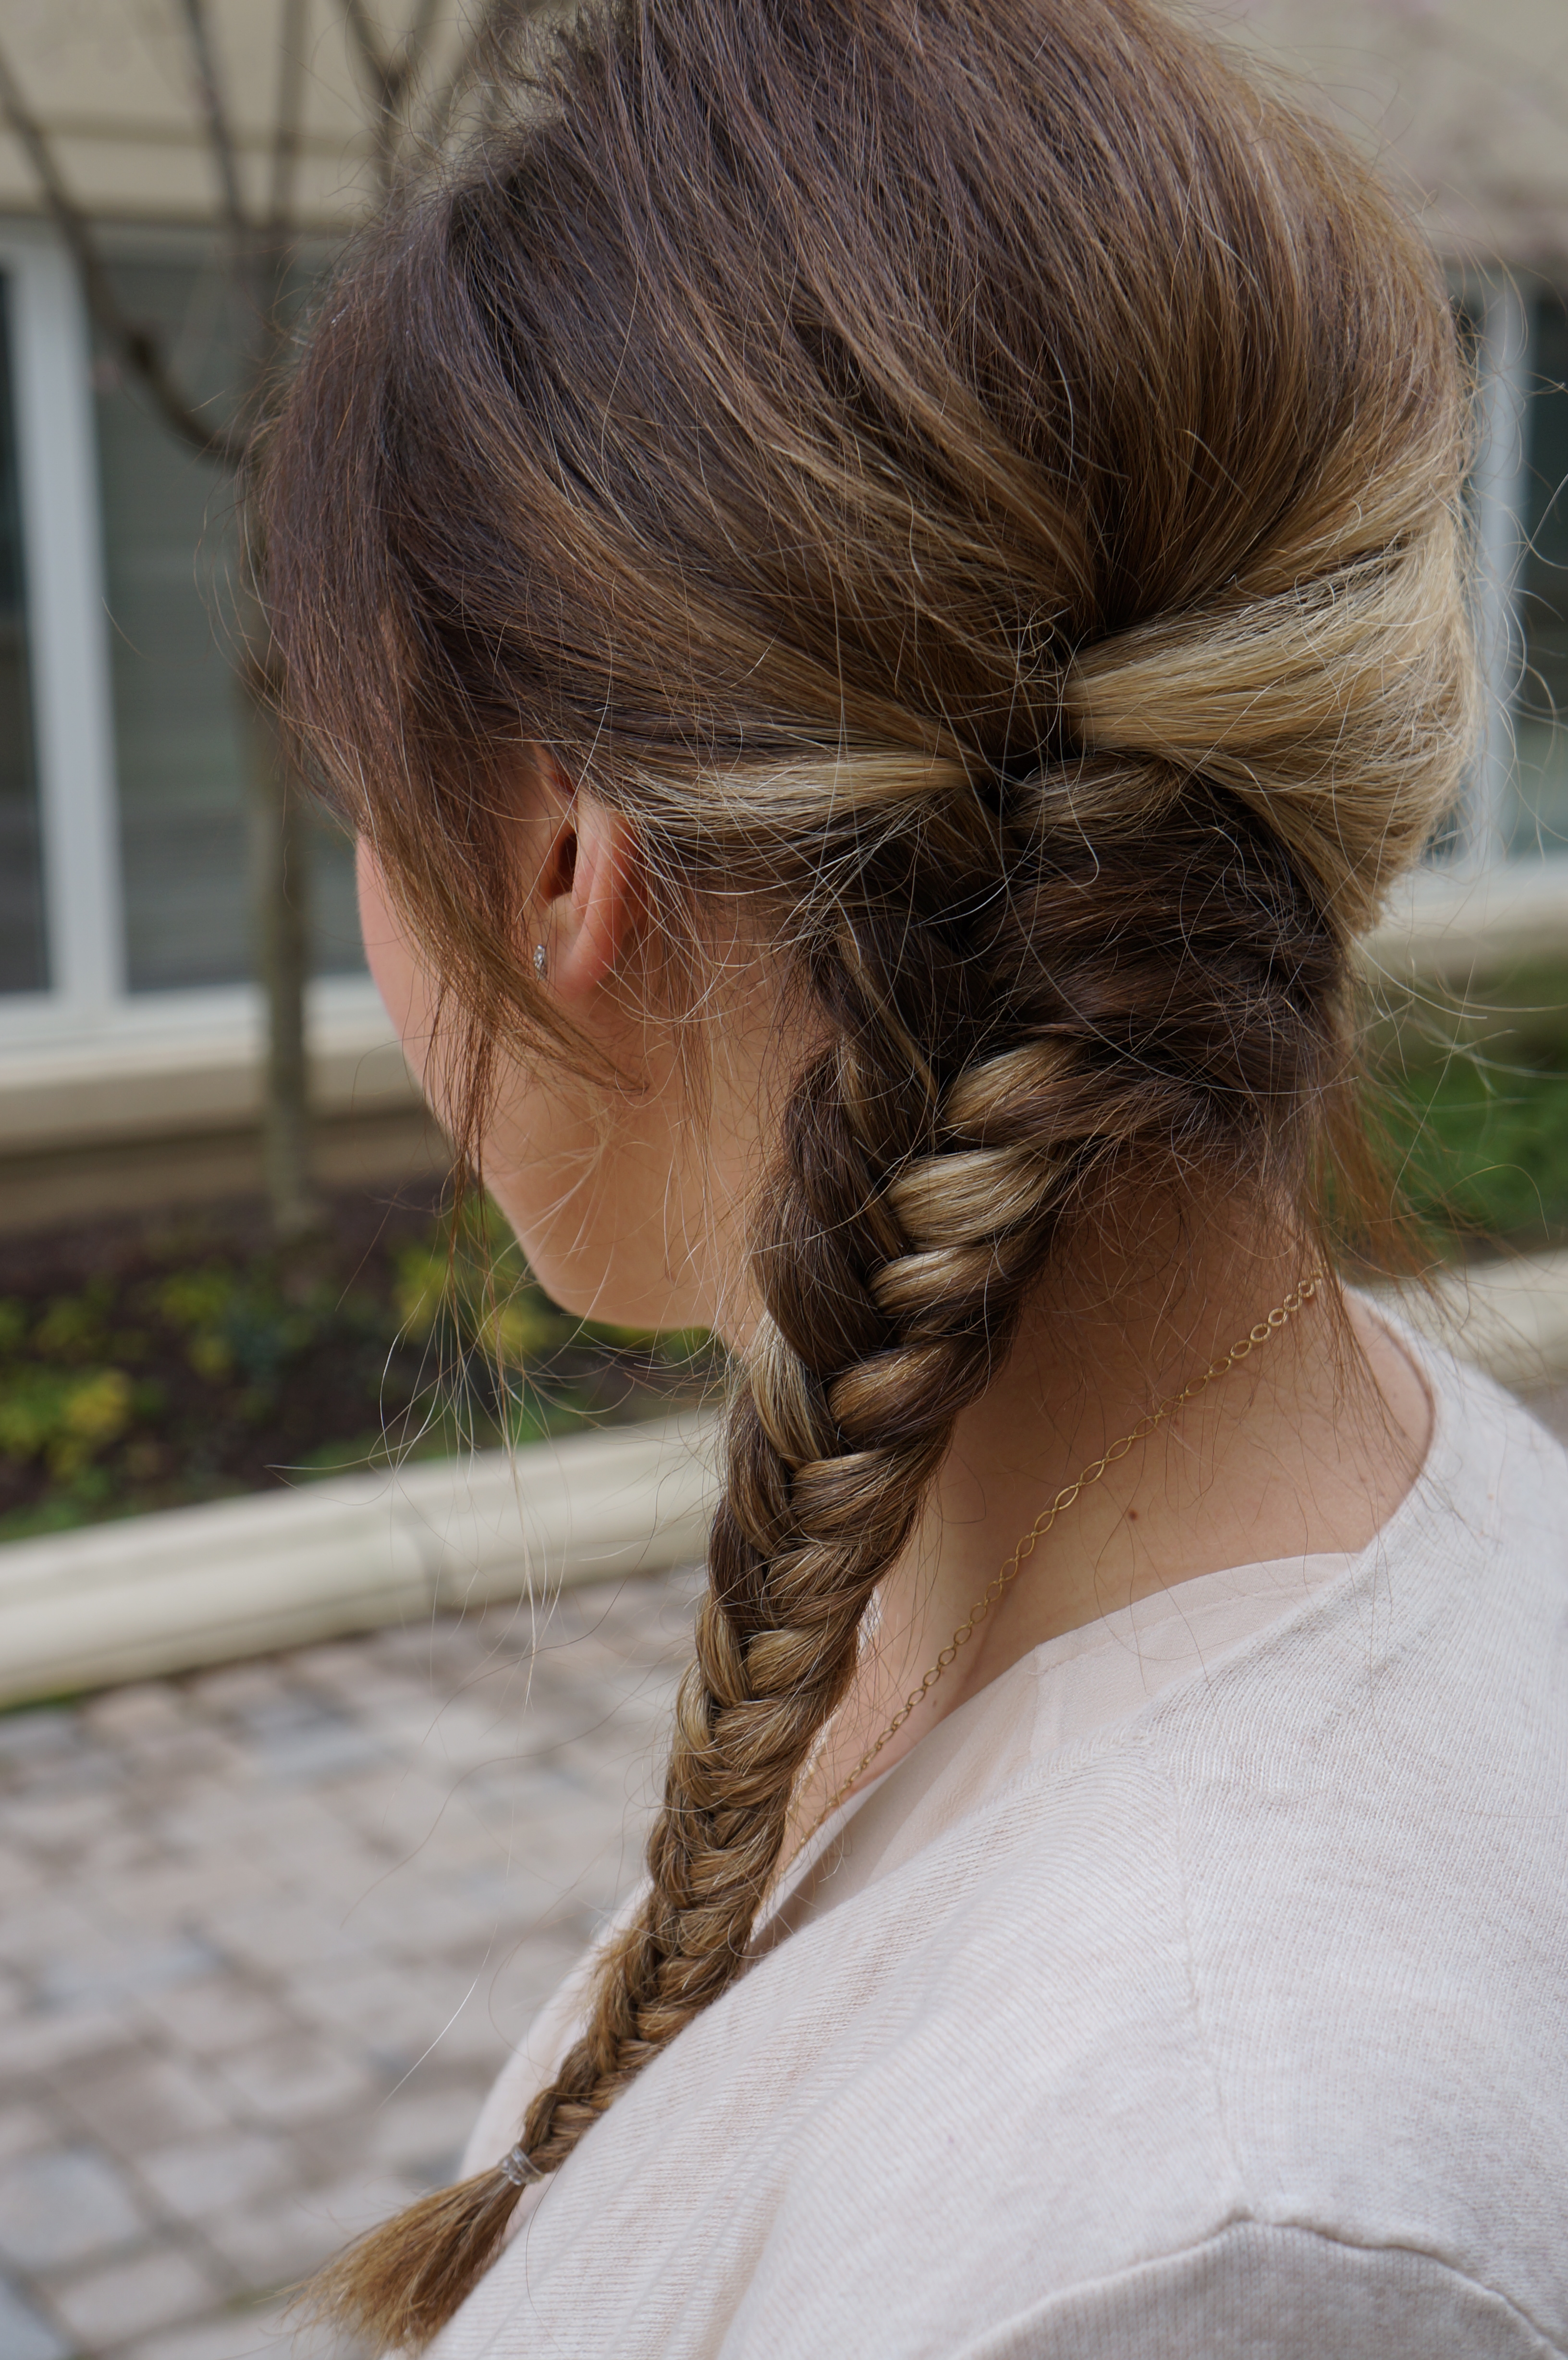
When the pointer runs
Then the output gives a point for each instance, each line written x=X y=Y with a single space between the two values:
x=396 y=2287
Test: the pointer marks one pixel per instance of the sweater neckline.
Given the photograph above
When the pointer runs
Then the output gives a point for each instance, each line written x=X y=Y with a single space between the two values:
x=1299 y=1584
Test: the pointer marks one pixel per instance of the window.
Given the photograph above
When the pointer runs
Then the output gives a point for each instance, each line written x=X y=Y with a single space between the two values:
x=1539 y=818
x=179 y=724
x=23 y=957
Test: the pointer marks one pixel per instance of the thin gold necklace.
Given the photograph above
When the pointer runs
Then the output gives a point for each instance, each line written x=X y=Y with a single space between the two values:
x=1280 y=1317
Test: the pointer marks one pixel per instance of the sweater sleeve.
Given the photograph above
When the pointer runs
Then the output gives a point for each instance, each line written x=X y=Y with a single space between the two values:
x=1262 y=2293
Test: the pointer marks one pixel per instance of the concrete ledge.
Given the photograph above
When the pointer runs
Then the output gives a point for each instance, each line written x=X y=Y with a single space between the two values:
x=1440 y=926
x=164 y=1085
x=150 y=1115
x=163 y=1593
x=388 y=1152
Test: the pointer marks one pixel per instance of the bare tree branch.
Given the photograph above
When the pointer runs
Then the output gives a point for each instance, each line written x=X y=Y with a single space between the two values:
x=137 y=347
x=367 y=41
x=258 y=249
x=288 y=120
x=215 y=114
x=416 y=41
x=381 y=74
x=486 y=39
x=393 y=75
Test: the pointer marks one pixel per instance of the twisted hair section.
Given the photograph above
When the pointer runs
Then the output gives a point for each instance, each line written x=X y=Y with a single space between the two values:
x=977 y=484
x=1335 y=706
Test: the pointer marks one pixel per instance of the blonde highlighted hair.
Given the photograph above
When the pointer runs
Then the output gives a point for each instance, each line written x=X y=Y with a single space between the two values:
x=980 y=480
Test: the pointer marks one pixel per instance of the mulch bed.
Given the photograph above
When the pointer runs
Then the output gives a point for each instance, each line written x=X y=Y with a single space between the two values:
x=148 y=1363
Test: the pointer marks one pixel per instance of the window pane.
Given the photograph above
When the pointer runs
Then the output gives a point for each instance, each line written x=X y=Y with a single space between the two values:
x=22 y=959
x=179 y=736
x=1541 y=715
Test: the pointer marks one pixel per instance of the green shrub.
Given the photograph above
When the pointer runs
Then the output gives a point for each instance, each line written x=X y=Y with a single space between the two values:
x=64 y=1417
x=196 y=1371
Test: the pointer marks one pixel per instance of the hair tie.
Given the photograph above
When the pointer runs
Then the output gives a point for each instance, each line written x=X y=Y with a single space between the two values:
x=519 y=2165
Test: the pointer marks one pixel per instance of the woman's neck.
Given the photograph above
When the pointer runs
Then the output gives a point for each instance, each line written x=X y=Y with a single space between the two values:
x=1305 y=1446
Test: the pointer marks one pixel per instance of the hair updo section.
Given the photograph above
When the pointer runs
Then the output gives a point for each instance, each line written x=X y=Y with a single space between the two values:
x=978 y=485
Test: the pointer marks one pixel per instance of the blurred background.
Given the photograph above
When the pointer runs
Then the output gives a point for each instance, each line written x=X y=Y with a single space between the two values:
x=225 y=1271
x=219 y=1262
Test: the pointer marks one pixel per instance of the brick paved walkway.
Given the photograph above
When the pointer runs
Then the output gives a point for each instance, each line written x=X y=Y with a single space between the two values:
x=266 y=1935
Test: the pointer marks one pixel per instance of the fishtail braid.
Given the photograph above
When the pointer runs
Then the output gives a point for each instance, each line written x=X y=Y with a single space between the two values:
x=842 y=1416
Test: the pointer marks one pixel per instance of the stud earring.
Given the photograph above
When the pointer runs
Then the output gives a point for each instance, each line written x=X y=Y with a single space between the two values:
x=541 y=961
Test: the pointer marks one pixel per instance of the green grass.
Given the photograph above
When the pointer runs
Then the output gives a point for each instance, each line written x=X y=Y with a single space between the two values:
x=1473 y=1104
x=1485 y=1151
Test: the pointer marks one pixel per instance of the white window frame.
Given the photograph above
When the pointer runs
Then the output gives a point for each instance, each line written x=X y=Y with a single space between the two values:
x=66 y=650
x=1502 y=496
x=86 y=1002
x=1458 y=909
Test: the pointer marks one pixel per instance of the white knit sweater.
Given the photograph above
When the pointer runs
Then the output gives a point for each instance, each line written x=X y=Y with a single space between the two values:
x=1198 y=1988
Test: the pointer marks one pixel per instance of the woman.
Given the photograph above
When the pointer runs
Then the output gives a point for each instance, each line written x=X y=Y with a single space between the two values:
x=882 y=581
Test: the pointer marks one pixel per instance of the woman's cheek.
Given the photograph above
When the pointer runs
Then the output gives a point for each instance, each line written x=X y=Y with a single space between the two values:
x=600 y=1215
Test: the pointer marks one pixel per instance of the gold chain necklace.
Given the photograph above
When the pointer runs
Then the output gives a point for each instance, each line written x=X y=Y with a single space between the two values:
x=1280 y=1317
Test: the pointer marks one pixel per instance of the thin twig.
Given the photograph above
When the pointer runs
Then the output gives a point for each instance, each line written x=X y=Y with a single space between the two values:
x=137 y=347
x=478 y=53
x=415 y=45
x=394 y=76
x=367 y=41
x=215 y=114
x=381 y=72
x=274 y=243
x=286 y=142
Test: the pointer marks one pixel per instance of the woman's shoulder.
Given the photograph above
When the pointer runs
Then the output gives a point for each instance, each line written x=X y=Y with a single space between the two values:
x=1494 y=1474
x=1288 y=1947
x=1430 y=1668
x=1469 y=1578
x=1145 y=2046
x=1255 y=1991
x=1368 y=1809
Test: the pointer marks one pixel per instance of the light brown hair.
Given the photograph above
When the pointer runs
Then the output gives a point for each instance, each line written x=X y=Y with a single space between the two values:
x=979 y=479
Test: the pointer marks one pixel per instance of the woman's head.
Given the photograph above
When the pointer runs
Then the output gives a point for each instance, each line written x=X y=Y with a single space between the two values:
x=924 y=533
x=896 y=460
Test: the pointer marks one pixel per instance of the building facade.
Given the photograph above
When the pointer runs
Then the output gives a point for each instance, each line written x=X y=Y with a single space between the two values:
x=130 y=1031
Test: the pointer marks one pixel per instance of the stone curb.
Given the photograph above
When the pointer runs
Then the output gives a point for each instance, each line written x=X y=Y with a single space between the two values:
x=164 y=1593
x=189 y=1586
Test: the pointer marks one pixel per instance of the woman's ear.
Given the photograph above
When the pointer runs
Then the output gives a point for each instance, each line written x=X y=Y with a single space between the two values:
x=586 y=900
